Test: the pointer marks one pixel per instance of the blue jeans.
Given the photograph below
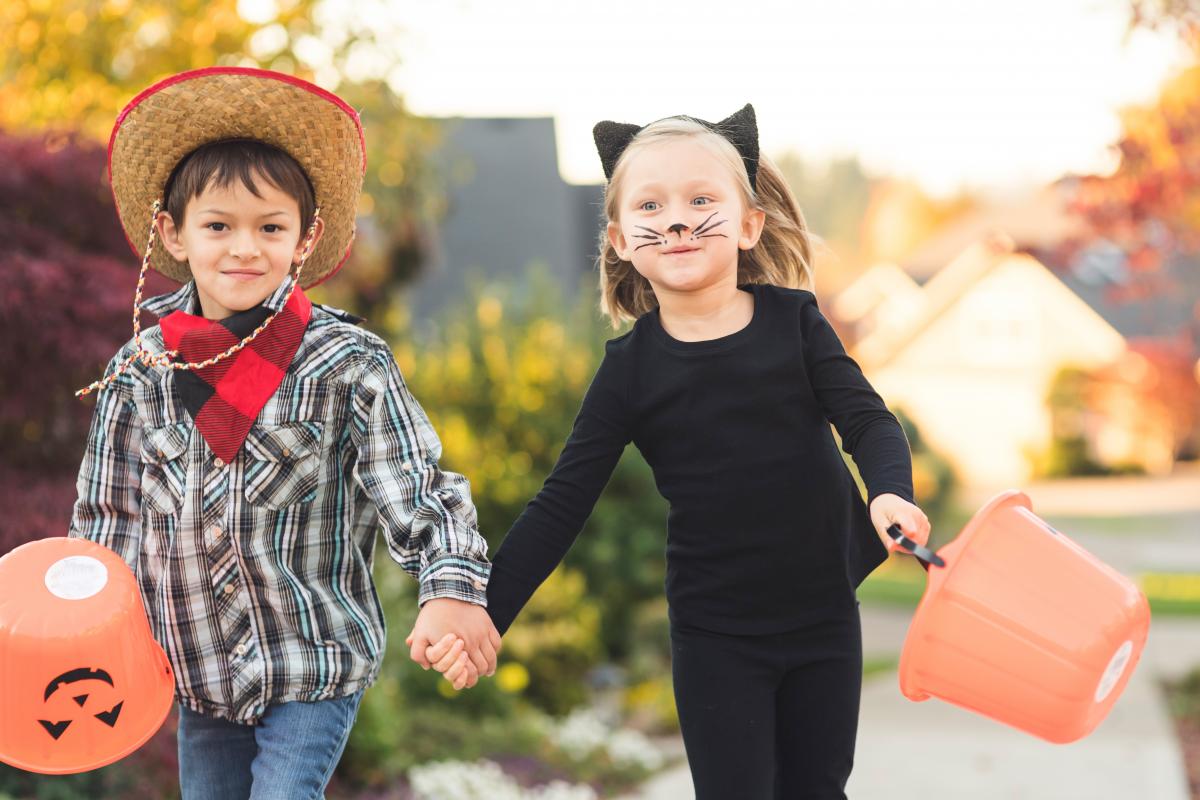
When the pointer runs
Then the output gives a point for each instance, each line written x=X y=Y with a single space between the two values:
x=289 y=755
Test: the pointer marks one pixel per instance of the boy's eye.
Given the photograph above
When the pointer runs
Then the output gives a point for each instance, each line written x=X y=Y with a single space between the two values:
x=649 y=205
x=211 y=224
x=276 y=227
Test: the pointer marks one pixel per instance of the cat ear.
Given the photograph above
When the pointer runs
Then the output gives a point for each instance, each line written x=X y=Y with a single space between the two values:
x=611 y=140
x=741 y=128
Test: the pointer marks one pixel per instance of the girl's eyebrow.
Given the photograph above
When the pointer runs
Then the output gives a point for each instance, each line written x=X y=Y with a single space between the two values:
x=706 y=183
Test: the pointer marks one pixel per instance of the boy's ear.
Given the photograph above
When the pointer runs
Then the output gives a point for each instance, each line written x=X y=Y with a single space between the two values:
x=617 y=239
x=169 y=235
x=752 y=228
x=316 y=238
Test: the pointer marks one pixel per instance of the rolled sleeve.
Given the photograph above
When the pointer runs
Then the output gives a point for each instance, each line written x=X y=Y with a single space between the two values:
x=108 y=504
x=428 y=518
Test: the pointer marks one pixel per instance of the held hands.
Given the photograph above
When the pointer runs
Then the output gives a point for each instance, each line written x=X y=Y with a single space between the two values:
x=466 y=640
x=890 y=508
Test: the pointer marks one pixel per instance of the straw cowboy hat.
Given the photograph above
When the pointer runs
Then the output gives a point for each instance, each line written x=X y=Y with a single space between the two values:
x=173 y=117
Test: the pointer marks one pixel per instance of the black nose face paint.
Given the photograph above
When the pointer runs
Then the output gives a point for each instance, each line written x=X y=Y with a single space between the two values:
x=677 y=228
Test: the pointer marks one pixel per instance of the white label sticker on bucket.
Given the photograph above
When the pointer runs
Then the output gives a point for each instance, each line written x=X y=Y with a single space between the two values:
x=1112 y=673
x=76 y=577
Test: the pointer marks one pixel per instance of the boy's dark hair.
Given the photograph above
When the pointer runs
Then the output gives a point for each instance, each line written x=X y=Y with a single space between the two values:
x=222 y=161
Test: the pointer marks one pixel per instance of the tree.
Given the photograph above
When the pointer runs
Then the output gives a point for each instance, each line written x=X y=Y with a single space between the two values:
x=1149 y=207
x=73 y=65
x=65 y=308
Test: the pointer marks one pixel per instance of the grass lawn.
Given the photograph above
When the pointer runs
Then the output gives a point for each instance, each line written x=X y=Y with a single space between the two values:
x=1183 y=698
x=900 y=582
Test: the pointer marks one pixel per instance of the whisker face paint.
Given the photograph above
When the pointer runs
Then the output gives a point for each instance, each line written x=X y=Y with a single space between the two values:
x=658 y=237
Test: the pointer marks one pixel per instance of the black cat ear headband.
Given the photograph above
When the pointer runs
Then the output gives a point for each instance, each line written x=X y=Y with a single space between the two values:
x=740 y=128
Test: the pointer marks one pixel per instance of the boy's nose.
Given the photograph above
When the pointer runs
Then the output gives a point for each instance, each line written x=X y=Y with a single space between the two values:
x=677 y=228
x=243 y=250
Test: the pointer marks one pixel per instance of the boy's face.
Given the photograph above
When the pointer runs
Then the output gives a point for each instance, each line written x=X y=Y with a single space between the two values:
x=682 y=217
x=239 y=247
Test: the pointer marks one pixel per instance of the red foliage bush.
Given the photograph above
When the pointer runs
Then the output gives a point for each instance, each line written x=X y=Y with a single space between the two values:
x=65 y=308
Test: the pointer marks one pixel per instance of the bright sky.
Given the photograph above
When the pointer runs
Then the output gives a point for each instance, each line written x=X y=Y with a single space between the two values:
x=975 y=92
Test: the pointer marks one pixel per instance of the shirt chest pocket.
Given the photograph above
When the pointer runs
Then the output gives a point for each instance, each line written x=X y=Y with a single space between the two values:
x=164 y=467
x=282 y=464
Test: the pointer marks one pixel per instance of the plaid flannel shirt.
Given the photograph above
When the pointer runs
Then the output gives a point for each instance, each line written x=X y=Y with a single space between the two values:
x=256 y=575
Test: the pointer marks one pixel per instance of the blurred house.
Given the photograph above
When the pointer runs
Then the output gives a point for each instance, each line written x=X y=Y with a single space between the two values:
x=508 y=209
x=968 y=336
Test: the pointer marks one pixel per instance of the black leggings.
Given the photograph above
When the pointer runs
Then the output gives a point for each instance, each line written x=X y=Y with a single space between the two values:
x=769 y=717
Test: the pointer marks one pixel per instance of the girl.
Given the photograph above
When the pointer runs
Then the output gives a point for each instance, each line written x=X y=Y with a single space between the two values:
x=727 y=383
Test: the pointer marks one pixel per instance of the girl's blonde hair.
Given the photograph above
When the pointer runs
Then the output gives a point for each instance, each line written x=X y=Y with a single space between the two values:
x=782 y=256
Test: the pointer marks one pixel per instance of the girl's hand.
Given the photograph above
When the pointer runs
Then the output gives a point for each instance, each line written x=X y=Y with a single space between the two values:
x=449 y=657
x=468 y=621
x=887 y=509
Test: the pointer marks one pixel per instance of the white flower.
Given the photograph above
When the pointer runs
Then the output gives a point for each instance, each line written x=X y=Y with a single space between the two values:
x=560 y=790
x=580 y=734
x=583 y=732
x=484 y=780
x=630 y=748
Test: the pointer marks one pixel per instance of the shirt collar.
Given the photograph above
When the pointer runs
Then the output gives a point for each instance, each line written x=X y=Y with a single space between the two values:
x=184 y=299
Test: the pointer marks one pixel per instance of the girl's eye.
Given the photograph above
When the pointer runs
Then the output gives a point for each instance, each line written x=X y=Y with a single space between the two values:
x=276 y=227
x=649 y=205
x=701 y=201
x=210 y=226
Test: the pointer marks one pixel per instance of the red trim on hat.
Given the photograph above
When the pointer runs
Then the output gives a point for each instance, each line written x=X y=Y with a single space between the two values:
x=255 y=71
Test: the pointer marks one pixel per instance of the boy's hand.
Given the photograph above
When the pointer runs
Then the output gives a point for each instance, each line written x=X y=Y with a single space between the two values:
x=468 y=621
x=890 y=508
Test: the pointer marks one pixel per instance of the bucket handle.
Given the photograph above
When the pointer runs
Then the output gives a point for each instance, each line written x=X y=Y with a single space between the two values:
x=923 y=554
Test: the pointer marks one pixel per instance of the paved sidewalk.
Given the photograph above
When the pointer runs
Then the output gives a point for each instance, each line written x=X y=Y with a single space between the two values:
x=1134 y=753
x=1108 y=496
x=917 y=751
x=933 y=750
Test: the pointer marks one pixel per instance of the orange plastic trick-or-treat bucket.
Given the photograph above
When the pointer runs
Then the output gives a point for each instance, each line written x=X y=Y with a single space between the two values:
x=82 y=681
x=1021 y=624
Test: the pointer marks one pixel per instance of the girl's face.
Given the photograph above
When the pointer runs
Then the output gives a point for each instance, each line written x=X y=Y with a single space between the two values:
x=239 y=247
x=682 y=218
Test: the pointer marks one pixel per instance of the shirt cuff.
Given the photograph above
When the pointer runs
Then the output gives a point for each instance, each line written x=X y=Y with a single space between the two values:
x=899 y=491
x=455 y=576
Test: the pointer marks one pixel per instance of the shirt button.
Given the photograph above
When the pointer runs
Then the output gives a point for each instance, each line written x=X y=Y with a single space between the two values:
x=160 y=453
x=286 y=452
x=478 y=584
x=216 y=531
x=229 y=588
x=406 y=466
x=240 y=649
x=218 y=463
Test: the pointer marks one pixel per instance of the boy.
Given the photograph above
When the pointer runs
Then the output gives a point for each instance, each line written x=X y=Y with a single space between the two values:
x=244 y=451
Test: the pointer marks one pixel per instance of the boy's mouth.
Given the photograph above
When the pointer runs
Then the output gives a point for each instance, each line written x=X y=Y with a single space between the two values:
x=243 y=274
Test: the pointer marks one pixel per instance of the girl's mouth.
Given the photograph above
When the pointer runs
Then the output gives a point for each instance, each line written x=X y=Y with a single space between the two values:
x=680 y=250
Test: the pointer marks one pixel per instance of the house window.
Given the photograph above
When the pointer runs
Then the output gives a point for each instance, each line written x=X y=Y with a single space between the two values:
x=999 y=329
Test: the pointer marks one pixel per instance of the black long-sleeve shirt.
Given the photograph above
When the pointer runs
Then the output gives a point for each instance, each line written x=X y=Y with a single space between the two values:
x=767 y=529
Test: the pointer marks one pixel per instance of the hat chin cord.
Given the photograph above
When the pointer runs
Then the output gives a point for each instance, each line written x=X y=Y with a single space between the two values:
x=164 y=359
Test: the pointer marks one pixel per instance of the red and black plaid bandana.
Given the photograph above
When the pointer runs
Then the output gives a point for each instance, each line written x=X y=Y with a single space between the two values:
x=224 y=398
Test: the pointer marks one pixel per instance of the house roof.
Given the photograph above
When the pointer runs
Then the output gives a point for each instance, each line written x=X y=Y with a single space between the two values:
x=1039 y=220
x=938 y=294
x=871 y=289
x=1162 y=304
